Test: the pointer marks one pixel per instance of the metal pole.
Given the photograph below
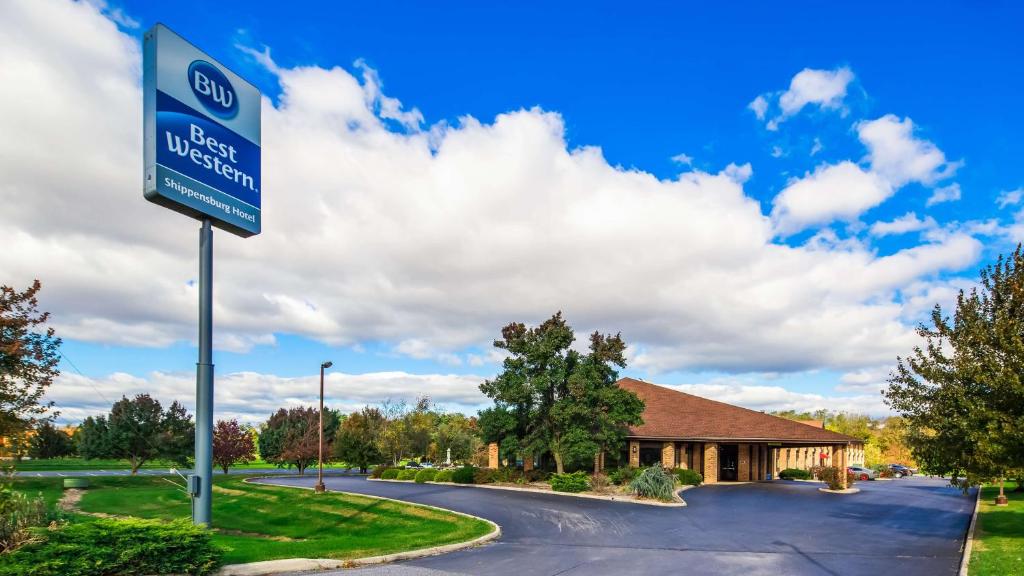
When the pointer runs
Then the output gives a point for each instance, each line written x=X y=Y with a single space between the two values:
x=202 y=502
x=320 y=473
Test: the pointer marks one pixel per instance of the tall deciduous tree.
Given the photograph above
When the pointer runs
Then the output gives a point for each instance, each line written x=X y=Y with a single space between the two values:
x=551 y=398
x=292 y=438
x=961 y=394
x=29 y=355
x=356 y=442
x=139 y=430
x=232 y=443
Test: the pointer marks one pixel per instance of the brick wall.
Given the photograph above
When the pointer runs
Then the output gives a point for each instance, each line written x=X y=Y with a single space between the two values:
x=634 y=454
x=743 y=464
x=668 y=455
x=710 y=463
x=492 y=455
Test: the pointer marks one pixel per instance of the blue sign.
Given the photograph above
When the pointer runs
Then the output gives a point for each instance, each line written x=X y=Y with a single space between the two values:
x=202 y=135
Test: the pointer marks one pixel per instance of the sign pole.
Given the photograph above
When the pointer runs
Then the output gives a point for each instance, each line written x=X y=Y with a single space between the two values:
x=202 y=503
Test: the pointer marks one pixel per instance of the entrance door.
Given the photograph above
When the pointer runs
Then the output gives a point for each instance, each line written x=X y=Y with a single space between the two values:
x=728 y=462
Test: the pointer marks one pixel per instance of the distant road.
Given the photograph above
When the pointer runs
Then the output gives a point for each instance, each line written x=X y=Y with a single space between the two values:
x=166 y=471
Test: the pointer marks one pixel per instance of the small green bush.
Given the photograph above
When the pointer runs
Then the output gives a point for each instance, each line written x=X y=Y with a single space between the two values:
x=536 y=475
x=688 y=477
x=117 y=547
x=573 y=482
x=408 y=474
x=19 y=513
x=443 y=476
x=390 y=474
x=425 y=475
x=795 y=474
x=379 y=470
x=654 y=482
x=485 y=476
x=464 y=475
x=621 y=476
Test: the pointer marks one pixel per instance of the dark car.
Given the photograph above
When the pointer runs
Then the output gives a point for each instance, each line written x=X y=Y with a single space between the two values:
x=412 y=464
x=900 y=470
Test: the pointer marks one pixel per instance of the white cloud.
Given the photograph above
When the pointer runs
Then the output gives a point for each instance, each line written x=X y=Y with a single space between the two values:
x=683 y=159
x=838 y=191
x=252 y=397
x=425 y=240
x=865 y=380
x=895 y=154
x=1009 y=197
x=823 y=88
x=816 y=146
x=776 y=398
x=942 y=194
x=909 y=222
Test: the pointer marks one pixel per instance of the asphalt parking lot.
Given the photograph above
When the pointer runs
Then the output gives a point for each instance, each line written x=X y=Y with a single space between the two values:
x=909 y=526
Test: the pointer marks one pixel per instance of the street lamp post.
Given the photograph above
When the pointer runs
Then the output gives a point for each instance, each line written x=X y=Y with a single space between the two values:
x=320 y=473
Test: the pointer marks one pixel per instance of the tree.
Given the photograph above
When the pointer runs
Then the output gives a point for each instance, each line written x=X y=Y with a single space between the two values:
x=420 y=425
x=49 y=442
x=356 y=442
x=961 y=394
x=232 y=443
x=551 y=398
x=291 y=437
x=392 y=438
x=28 y=360
x=457 y=433
x=139 y=430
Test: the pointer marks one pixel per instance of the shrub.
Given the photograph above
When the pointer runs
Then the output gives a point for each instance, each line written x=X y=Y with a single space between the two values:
x=573 y=482
x=536 y=475
x=794 y=474
x=484 y=476
x=599 y=483
x=390 y=474
x=506 y=474
x=425 y=475
x=408 y=474
x=18 y=515
x=688 y=477
x=886 y=473
x=624 y=475
x=463 y=475
x=654 y=482
x=443 y=476
x=831 y=476
x=379 y=470
x=115 y=547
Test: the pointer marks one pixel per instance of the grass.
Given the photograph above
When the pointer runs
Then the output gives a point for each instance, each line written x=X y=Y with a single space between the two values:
x=256 y=522
x=999 y=535
x=78 y=464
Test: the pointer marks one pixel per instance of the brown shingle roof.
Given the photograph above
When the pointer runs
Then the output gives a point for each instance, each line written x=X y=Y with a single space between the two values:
x=673 y=414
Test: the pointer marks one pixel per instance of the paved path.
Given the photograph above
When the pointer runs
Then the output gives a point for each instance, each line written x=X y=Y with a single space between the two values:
x=907 y=527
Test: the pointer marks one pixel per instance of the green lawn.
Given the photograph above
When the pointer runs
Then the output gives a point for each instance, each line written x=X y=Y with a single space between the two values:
x=999 y=535
x=255 y=522
x=75 y=464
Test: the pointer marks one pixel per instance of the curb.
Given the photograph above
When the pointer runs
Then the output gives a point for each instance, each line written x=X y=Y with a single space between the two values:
x=302 y=564
x=680 y=504
x=969 y=540
x=847 y=491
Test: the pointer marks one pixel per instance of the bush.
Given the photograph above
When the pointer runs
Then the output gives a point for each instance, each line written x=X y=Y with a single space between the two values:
x=18 y=515
x=886 y=473
x=831 y=476
x=654 y=482
x=464 y=475
x=573 y=482
x=425 y=475
x=484 y=476
x=794 y=474
x=536 y=475
x=390 y=474
x=443 y=476
x=599 y=483
x=408 y=474
x=624 y=475
x=117 y=547
x=379 y=470
x=688 y=477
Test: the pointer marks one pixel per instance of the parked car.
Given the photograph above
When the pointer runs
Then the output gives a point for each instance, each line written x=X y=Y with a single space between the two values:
x=901 y=470
x=413 y=464
x=861 y=473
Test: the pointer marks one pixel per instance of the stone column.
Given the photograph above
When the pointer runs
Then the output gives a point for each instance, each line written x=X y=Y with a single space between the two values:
x=527 y=462
x=634 y=454
x=755 y=463
x=743 y=463
x=668 y=455
x=710 y=463
x=492 y=455
x=773 y=457
x=840 y=456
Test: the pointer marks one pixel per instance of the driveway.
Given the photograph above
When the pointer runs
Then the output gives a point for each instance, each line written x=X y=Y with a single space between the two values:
x=166 y=471
x=907 y=526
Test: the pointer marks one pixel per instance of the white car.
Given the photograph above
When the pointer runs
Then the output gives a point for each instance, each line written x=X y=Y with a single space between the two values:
x=861 y=473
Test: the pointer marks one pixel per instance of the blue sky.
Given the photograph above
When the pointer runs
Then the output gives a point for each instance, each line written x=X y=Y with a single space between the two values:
x=662 y=92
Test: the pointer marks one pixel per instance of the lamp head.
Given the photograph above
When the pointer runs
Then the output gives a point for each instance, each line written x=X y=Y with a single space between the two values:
x=327 y=364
